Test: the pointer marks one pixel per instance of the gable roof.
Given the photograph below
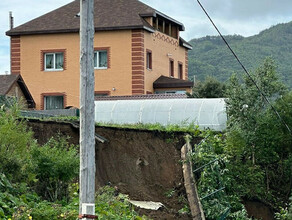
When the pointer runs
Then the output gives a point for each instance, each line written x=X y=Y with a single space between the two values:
x=108 y=15
x=169 y=82
x=6 y=83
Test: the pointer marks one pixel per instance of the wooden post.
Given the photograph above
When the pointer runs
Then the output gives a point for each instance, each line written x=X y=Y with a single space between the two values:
x=190 y=183
x=157 y=26
x=87 y=123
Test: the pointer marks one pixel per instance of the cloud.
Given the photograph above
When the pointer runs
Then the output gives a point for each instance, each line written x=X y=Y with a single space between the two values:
x=23 y=11
x=246 y=17
x=4 y=59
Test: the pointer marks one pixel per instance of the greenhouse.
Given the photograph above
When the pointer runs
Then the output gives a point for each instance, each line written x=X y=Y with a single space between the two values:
x=206 y=113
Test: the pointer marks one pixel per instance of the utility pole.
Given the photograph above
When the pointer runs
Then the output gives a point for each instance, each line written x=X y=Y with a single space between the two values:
x=87 y=124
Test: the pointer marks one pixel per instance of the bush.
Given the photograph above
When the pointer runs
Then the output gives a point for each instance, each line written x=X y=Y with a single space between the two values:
x=111 y=205
x=216 y=174
x=56 y=164
x=15 y=143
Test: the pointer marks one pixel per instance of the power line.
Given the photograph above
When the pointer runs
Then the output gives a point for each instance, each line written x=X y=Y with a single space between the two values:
x=245 y=70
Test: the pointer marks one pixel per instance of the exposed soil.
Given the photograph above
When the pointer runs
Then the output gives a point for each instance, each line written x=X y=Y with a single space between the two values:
x=258 y=210
x=143 y=164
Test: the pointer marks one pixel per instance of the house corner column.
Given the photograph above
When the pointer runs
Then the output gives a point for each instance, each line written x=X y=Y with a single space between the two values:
x=15 y=54
x=186 y=64
x=138 y=54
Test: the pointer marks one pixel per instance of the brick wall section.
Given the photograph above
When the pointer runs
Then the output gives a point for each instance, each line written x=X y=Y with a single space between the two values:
x=15 y=54
x=53 y=94
x=138 y=55
x=186 y=65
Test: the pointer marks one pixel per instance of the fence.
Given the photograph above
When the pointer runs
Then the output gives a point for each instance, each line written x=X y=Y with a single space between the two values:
x=50 y=113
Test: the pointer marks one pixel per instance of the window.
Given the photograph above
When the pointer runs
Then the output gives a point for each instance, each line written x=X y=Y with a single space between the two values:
x=149 y=59
x=171 y=68
x=53 y=102
x=180 y=70
x=101 y=94
x=101 y=59
x=54 y=61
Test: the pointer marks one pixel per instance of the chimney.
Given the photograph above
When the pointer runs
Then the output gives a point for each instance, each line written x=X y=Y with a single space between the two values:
x=11 y=20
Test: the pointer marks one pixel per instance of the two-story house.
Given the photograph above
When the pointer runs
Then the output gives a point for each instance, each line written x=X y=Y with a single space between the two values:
x=138 y=50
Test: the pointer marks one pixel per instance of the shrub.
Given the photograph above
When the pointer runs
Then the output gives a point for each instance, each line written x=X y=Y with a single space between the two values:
x=56 y=164
x=15 y=142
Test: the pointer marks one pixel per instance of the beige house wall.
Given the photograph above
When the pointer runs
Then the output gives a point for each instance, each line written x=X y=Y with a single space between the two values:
x=164 y=48
x=117 y=76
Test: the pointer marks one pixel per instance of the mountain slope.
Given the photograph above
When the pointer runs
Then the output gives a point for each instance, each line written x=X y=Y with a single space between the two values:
x=210 y=56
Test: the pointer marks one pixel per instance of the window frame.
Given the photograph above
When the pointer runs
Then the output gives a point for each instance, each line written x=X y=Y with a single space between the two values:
x=180 y=70
x=44 y=95
x=101 y=94
x=101 y=49
x=52 y=52
x=54 y=62
x=171 y=67
x=149 y=60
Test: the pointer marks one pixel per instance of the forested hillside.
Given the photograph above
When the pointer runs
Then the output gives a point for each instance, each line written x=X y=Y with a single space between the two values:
x=211 y=57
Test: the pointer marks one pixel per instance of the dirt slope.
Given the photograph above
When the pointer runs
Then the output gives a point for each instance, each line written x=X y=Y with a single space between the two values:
x=143 y=164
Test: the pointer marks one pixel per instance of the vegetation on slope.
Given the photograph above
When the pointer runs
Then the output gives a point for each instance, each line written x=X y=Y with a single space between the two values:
x=40 y=182
x=252 y=160
x=211 y=57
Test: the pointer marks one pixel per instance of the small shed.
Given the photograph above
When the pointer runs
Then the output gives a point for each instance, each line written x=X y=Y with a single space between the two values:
x=14 y=86
x=206 y=113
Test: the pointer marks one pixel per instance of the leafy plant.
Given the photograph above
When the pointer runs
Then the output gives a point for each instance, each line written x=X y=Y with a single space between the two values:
x=111 y=205
x=210 y=88
x=15 y=143
x=56 y=164
x=258 y=145
x=216 y=187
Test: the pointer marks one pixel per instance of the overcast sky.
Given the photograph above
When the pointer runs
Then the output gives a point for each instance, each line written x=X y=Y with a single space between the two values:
x=246 y=17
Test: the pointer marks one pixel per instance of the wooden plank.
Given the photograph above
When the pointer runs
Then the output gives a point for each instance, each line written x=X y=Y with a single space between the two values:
x=190 y=183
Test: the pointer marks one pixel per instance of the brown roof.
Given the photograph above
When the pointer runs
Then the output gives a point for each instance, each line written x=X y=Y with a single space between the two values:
x=6 y=83
x=136 y=97
x=169 y=82
x=108 y=15
x=184 y=43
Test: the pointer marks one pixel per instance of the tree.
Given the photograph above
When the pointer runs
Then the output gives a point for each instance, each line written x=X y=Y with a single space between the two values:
x=210 y=88
x=257 y=142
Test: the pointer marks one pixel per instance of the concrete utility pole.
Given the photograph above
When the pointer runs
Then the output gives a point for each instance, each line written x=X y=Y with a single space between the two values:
x=87 y=124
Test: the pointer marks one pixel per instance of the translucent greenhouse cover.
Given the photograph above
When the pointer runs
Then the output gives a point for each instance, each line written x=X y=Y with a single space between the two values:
x=206 y=113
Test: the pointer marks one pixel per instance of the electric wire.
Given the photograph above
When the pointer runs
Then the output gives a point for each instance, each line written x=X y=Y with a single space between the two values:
x=245 y=70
